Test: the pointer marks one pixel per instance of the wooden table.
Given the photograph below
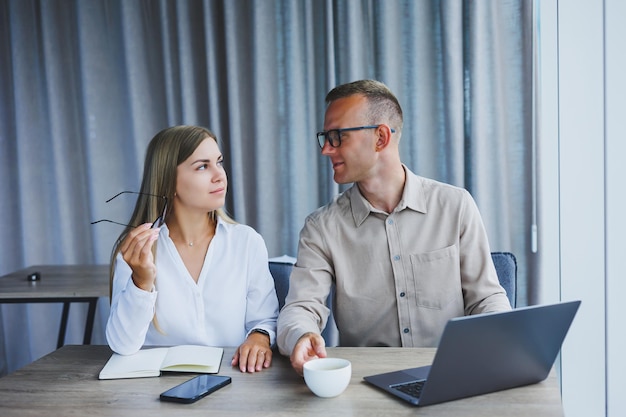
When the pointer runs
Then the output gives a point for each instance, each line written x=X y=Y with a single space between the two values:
x=65 y=383
x=59 y=284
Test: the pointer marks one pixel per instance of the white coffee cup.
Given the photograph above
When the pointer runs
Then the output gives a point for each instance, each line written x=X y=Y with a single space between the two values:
x=327 y=377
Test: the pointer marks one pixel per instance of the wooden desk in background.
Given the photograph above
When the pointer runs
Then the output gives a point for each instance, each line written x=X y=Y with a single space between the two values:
x=59 y=284
x=65 y=383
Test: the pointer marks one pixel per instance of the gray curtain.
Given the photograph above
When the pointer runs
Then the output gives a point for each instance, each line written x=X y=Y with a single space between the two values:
x=85 y=84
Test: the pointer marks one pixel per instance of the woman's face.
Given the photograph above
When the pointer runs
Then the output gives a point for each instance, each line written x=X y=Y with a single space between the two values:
x=201 y=180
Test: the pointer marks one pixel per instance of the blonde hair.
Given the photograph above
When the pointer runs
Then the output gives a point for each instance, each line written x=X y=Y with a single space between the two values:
x=168 y=149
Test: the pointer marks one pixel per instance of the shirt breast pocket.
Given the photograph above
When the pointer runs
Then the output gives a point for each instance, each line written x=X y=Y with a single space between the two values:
x=437 y=277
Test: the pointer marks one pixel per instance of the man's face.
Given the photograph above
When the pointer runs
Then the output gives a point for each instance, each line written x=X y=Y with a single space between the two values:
x=354 y=159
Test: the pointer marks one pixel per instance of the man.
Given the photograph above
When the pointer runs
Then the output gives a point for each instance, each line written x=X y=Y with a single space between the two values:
x=405 y=253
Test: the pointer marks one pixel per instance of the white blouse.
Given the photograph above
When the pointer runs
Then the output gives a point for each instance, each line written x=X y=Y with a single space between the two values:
x=234 y=294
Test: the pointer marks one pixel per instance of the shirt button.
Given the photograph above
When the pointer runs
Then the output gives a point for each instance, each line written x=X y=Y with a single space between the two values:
x=402 y=294
x=406 y=330
x=397 y=257
x=389 y=221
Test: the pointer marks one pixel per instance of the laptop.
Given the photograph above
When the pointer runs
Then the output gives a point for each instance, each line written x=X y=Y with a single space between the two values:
x=484 y=353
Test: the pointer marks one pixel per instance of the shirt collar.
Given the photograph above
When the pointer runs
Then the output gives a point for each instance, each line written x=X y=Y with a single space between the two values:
x=413 y=198
x=221 y=227
x=414 y=194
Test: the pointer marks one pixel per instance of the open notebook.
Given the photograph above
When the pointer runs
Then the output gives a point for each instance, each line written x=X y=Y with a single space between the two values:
x=150 y=362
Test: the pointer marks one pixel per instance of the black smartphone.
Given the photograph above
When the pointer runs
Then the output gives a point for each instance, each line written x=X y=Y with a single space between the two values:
x=196 y=388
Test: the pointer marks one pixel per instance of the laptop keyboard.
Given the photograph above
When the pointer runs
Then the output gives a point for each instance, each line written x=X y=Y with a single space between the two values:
x=413 y=388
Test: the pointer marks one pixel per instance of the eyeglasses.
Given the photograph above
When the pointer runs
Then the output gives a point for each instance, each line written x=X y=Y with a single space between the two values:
x=333 y=136
x=157 y=223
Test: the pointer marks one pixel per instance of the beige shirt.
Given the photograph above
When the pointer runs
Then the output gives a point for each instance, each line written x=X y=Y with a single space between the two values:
x=398 y=277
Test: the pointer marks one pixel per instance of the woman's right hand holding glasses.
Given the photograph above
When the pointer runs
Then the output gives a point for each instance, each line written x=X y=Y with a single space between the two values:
x=136 y=249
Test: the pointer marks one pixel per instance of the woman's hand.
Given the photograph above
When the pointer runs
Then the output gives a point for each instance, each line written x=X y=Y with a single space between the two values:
x=254 y=354
x=136 y=249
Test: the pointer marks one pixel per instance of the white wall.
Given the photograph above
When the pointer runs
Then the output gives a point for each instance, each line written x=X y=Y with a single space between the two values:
x=582 y=150
x=615 y=128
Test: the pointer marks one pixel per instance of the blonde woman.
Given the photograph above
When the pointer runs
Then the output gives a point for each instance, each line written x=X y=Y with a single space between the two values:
x=193 y=275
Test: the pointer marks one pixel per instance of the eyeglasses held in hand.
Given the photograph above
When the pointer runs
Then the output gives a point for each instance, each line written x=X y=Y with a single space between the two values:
x=157 y=223
x=333 y=136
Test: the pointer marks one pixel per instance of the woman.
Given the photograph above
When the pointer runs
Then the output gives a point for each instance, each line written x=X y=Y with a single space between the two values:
x=193 y=276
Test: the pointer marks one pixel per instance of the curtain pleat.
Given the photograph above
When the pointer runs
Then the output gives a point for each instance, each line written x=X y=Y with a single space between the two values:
x=85 y=85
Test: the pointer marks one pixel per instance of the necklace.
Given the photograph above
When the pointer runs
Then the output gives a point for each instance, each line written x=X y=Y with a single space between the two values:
x=200 y=240
x=188 y=242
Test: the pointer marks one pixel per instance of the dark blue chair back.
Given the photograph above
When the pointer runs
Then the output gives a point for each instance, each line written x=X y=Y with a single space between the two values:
x=281 y=271
x=506 y=268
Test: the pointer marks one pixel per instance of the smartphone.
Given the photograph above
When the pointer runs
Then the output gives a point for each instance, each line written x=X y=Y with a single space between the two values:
x=196 y=388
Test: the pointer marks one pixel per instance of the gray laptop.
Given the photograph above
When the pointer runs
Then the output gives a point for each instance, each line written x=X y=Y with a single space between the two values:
x=486 y=353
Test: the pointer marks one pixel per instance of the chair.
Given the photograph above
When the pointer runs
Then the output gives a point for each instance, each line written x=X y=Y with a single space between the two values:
x=280 y=271
x=280 y=268
x=506 y=268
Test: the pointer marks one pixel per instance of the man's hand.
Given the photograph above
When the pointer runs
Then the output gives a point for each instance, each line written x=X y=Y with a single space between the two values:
x=309 y=346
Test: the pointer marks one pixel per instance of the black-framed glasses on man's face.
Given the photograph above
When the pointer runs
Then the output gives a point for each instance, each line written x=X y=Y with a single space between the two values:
x=333 y=136
x=157 y=223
